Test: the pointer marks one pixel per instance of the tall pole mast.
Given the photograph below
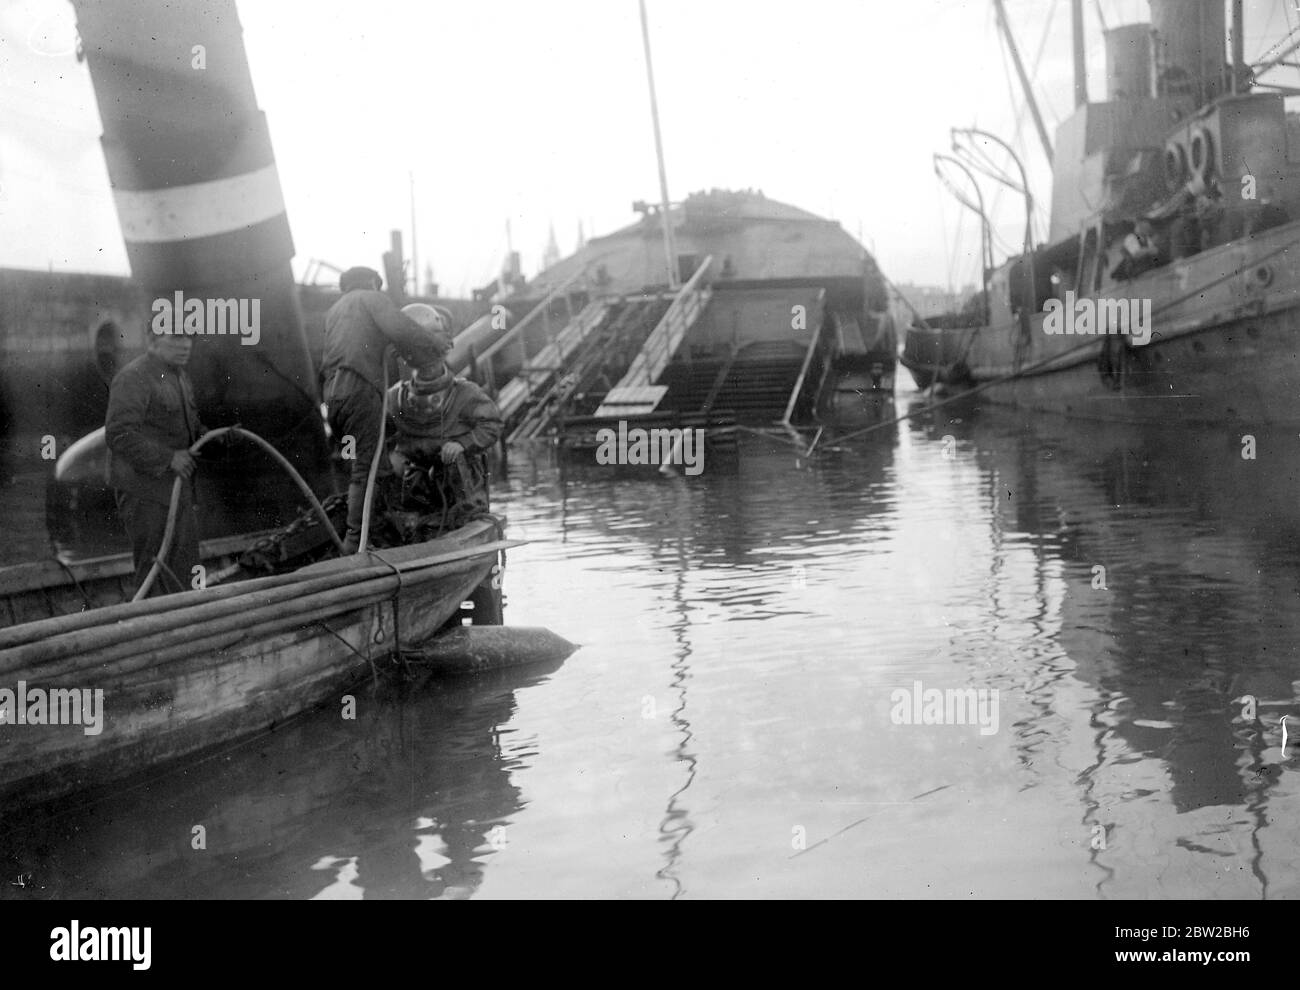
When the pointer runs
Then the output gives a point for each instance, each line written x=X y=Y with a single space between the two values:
x=1080 y=65
x=665 y=217
x=1005 y=27
x=415 y=252
x=1239 y=69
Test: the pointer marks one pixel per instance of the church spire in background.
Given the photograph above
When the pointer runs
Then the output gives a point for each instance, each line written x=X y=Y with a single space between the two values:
x=552 y=253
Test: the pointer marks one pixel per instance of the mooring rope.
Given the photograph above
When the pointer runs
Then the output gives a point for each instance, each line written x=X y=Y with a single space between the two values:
x=374 y=672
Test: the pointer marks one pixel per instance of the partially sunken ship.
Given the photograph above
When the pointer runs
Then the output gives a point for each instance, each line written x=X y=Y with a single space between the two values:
x=768 y=314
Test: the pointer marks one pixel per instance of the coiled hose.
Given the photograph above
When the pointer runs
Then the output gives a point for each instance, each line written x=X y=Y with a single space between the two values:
x=170 y=532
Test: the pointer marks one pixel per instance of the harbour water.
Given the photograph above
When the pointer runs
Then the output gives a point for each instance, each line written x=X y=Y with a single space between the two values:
x=755 y=644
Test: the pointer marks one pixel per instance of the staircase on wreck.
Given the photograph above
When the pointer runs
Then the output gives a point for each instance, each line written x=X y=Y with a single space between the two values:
x=715 y=354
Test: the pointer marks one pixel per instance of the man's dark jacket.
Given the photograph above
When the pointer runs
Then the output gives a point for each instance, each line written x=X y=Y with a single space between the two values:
x=361 y=324
x=151 y=415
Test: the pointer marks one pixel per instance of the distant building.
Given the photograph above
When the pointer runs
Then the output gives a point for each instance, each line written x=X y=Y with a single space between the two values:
x=510 y=281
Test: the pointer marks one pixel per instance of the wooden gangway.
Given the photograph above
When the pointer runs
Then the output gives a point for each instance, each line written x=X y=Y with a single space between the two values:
x=637 y=392
x=537 y=373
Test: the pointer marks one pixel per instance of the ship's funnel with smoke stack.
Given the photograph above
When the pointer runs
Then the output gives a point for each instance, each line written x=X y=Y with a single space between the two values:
x=1128 y=62
x=198 y=197
x=1190 y=49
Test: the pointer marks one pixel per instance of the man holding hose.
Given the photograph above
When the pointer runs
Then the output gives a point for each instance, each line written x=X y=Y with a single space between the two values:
x=357 y=330
x=151 y=422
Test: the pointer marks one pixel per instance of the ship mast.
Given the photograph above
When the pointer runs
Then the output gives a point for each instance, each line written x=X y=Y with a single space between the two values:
x=1238 y=45
x=665 y=216
x=415 y=252
x=1005 y=27
x=1080 y=65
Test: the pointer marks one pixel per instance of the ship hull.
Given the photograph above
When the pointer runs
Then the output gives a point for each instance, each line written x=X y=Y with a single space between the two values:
x=1244 y=370
x=228 y=678
x=1224 y=347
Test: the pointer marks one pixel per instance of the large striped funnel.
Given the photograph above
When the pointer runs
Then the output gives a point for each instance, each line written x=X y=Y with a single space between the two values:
x=195 y=184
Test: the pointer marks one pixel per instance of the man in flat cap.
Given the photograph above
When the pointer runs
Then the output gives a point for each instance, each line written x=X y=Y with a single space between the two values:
x=357 y=330
x=150 y=425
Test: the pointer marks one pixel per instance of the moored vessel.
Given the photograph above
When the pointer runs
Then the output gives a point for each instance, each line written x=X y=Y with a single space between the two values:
x=1169 y=288
x=96 y=693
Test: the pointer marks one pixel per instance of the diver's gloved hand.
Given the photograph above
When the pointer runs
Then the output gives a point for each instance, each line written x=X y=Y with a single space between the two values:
x=451 y=451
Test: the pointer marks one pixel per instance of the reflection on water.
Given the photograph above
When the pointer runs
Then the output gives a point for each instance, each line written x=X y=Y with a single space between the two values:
x=407 y=800
x=726 y=729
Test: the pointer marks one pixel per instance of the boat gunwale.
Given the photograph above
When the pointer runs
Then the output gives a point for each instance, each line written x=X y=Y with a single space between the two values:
x=445 y=583
x=461 y=538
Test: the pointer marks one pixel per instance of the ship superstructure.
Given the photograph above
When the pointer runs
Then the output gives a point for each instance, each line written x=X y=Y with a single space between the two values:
x=1171 y=269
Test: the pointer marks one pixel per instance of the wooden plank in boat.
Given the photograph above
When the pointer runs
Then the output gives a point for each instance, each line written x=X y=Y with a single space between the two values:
x=18 y=578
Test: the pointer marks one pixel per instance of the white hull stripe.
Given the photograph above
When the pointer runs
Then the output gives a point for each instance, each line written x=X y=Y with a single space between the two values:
x=202 y=209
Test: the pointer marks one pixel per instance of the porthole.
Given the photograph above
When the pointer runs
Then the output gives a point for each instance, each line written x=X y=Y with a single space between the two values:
x=1261 y=276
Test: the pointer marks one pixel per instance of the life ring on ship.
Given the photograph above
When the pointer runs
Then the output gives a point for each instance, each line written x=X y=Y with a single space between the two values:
x=1176 y=173
x=1201 y=154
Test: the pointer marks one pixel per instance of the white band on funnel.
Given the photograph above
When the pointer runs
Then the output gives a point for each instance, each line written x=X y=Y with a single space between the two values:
x=202 y=209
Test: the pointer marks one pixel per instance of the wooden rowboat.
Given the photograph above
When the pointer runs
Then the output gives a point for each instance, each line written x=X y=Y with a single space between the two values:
x=183 y=672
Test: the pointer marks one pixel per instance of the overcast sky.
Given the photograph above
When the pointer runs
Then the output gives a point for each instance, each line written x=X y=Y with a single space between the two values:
x=538 y=113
